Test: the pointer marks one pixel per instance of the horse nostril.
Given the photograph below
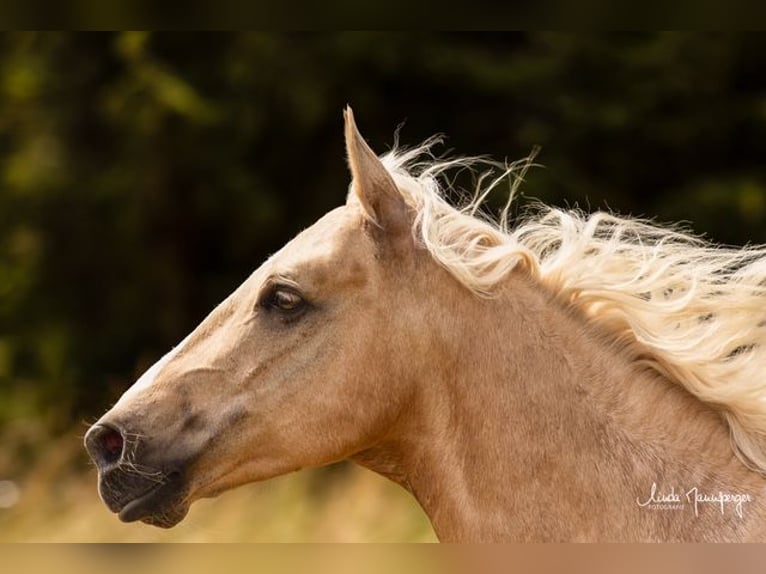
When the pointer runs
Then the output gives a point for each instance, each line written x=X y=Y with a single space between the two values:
x=112 y=442
x=104 y=444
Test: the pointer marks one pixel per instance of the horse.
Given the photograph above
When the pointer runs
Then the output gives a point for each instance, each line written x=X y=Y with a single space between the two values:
x=560 y=377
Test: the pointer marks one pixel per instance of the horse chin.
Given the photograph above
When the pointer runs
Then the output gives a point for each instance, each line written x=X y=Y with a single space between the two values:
x=168 y=518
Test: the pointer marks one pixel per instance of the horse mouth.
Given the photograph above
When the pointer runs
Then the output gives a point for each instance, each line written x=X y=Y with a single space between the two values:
x=162 y=505
x=153 y=508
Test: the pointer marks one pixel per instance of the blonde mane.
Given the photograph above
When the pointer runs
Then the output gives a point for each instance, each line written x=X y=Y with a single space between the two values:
x=696 y=310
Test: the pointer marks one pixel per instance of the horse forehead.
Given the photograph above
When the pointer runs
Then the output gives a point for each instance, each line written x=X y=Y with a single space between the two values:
x=338 y=234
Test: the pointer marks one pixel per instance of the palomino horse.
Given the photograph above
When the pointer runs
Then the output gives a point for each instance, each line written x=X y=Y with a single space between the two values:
x=572 y=377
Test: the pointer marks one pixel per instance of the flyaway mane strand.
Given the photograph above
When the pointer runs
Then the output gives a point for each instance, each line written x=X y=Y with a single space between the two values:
x=697 y=310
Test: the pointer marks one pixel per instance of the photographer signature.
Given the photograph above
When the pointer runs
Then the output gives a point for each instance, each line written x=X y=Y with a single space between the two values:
x=672 y=500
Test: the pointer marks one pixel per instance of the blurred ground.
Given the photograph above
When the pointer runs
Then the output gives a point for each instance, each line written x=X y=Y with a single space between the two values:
x=57 y=502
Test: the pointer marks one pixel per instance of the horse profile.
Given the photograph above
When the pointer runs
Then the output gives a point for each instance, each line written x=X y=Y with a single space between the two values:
x=569 y=377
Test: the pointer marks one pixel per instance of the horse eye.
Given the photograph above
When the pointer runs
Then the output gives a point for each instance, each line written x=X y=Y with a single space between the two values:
x=287 y=300
x=283 y=299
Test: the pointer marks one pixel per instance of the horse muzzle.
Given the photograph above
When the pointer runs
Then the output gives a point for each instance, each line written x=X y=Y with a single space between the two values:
x=132 y=483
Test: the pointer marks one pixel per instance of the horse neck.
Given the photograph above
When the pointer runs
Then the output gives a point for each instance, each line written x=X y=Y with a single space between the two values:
x=528 y=423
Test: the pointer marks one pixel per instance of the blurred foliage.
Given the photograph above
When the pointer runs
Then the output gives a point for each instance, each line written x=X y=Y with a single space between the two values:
x=144 y=176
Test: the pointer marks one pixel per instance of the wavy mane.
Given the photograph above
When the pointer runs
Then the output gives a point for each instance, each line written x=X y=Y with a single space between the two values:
x=697 y=310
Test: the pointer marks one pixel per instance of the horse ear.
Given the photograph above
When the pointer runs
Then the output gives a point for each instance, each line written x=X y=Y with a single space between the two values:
x=371 y=183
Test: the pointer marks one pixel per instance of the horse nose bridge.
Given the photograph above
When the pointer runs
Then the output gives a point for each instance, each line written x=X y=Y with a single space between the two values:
x=105 y=444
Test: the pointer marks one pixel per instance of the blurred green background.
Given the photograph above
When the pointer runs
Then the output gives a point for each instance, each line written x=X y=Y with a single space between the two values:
x=143 y=176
